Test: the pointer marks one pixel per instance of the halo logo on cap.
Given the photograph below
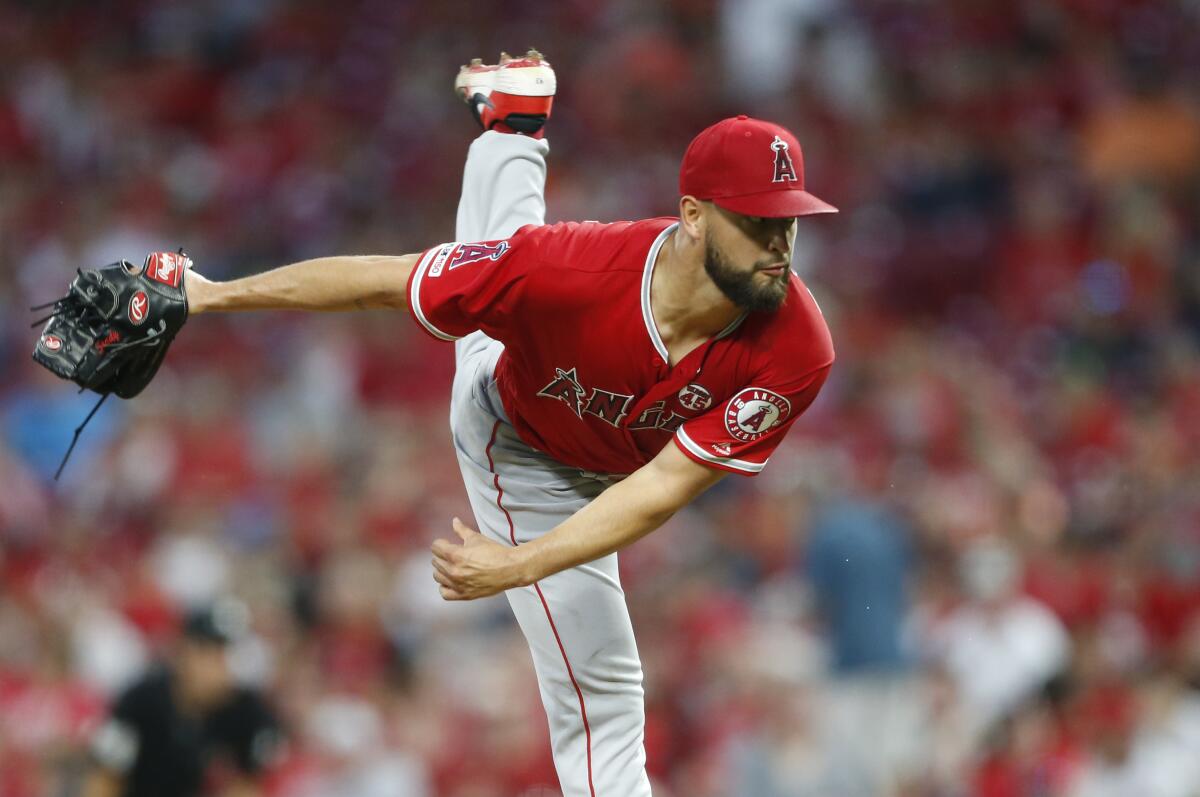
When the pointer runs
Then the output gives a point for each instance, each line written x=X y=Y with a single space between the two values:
x=784 y=170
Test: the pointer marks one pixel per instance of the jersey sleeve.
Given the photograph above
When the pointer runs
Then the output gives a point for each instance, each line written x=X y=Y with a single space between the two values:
x=740 y=434
x=457 y=288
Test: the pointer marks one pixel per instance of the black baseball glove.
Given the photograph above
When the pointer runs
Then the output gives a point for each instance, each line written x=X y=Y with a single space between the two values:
x=111 y=331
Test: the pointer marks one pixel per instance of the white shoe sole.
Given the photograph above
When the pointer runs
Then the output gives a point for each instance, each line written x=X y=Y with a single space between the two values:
x=472 y=83
x=525 y=81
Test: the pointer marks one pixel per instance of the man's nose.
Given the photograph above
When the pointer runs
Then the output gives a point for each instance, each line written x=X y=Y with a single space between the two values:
x=778 y=242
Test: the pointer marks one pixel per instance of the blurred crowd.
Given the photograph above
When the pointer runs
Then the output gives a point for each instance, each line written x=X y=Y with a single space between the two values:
x=973 y=569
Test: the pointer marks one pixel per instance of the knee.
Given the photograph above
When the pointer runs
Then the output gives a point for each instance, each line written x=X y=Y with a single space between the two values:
x=616 y=678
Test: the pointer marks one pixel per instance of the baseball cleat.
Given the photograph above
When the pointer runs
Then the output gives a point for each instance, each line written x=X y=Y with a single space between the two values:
x=476 y=78
x=513 y=96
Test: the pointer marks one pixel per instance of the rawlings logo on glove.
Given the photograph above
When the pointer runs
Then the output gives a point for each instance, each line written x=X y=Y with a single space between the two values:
x=166 y=267
x=138 y=306
x=111 y=331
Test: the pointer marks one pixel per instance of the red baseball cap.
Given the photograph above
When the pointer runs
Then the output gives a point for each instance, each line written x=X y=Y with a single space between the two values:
x=751 y=167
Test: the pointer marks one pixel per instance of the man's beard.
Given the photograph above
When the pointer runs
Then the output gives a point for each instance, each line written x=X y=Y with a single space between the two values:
x=742 y=287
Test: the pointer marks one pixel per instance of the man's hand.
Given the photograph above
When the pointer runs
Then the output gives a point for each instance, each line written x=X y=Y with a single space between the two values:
x=623 y=513
x=475 y=569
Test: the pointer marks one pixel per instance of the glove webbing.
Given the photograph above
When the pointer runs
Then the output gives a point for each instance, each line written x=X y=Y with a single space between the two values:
x=65 y=303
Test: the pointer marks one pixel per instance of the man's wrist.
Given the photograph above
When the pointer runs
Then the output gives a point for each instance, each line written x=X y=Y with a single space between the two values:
x=200 y=294
x=524 y=565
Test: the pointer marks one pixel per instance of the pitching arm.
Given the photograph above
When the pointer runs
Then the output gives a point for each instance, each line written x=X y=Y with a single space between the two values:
x=326 y=283
x=622 y=514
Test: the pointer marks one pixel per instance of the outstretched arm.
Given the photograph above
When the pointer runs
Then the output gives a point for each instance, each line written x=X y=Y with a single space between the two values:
x=625 y=512
x=325 y=283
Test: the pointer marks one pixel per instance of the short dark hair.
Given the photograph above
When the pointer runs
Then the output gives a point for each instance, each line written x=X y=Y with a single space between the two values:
x=220 y=623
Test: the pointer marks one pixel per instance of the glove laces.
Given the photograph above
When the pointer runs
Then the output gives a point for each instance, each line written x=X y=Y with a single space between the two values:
x=78 y=431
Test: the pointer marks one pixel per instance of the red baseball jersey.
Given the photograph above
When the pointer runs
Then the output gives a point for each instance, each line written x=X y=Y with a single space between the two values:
x=584 y=376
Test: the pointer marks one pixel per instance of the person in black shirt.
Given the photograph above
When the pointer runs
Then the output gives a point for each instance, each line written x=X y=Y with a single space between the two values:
x=186 y=727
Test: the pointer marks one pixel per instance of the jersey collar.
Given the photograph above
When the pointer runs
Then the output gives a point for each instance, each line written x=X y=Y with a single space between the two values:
x=648 y=313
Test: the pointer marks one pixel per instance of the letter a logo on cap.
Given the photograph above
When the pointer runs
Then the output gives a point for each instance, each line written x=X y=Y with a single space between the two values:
x=784 y=170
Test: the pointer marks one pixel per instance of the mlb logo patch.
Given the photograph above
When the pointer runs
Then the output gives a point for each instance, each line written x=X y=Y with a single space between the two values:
x=755 y=411
x=167 y=267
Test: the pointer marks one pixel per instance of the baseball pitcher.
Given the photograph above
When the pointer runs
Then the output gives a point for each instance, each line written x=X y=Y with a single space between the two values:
x=607 y=374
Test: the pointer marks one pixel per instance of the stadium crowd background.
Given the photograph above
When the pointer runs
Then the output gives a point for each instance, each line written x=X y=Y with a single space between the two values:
x=973 y=569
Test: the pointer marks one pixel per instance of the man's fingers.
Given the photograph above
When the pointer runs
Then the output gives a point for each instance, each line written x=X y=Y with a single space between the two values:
x=449 y=558
x=462 y=529
x=440 y=566
x=444 y=550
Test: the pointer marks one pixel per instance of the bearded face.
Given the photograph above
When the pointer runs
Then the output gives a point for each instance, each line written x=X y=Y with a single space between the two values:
x=757 y=288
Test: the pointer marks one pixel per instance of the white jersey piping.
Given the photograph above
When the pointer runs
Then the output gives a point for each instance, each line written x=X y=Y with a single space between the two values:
x=414 y=293
x=729 y=462
x=648 y=313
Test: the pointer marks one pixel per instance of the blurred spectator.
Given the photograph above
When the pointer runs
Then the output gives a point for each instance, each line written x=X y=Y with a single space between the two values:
x=1148 y=133
x=999 y=646
x=1142 y=741
x=348 y=732
x=859 y=564
x=187 y=727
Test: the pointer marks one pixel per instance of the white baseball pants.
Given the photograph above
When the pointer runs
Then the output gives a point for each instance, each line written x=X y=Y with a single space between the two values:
x=576 y=622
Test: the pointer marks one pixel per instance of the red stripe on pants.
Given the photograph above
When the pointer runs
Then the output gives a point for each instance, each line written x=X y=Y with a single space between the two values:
x=512 y=535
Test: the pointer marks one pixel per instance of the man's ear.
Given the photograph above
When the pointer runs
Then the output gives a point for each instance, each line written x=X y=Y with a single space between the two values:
x=693 y=217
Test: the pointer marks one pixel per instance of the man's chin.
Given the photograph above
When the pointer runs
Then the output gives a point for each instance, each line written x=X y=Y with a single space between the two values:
x=772 y=296
x=757 y=290
x=774 y=304
x=767 y=301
